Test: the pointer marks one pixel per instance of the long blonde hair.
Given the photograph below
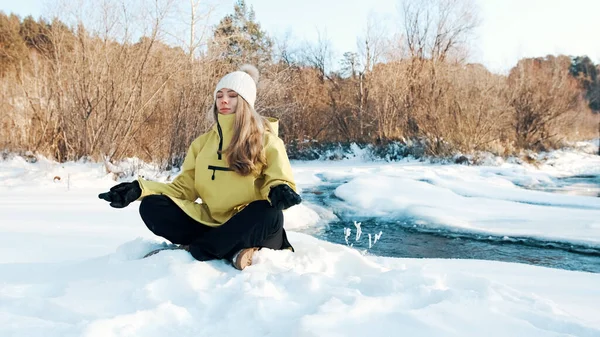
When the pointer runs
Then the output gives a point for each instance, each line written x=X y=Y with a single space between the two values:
x=245 y=153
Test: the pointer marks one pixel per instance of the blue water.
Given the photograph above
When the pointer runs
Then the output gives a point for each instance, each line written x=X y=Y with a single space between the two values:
x=585 y=185
x=404 y=237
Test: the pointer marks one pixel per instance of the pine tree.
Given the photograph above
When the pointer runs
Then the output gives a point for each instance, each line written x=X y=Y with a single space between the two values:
x=238 y=38
x=36 y=35
x=587 y=74
x=12 y=47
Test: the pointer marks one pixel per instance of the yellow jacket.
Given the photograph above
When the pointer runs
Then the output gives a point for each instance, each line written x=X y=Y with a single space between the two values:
x=205 y=175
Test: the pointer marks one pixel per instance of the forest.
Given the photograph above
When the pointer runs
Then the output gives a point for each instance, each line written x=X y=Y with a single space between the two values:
x=107 y=82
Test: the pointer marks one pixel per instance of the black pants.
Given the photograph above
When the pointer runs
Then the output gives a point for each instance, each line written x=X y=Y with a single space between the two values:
x=257 y=225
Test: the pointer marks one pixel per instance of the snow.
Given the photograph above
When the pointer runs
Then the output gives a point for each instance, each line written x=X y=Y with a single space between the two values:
x=70 y=265
x=465 y=198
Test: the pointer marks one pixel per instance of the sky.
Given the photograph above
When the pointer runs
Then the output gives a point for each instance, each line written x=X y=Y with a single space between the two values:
x=509 y=30
x=71 y=266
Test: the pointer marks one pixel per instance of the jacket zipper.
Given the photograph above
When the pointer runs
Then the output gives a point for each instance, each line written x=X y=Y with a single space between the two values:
x=219 y=153
x=217 y=168
x=220 y=139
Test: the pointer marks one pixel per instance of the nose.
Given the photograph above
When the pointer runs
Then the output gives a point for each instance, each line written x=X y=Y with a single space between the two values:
x=224 y=100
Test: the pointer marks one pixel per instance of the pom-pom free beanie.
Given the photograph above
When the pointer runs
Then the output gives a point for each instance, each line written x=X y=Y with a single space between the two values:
x=242 y=81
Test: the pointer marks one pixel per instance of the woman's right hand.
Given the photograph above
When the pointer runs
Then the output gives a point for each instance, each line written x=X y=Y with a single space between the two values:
x=122 y=194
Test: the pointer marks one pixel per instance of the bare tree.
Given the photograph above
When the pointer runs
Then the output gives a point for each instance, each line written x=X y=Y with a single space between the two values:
x=284 y=51
x=319 y=55
x=372 y=49
x=189 y=26
x=435 y=29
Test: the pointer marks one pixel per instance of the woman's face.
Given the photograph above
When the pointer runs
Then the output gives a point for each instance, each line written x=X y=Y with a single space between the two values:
x=227 y=101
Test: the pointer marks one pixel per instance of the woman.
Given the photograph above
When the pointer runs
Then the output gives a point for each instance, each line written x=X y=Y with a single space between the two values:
x=240 y=171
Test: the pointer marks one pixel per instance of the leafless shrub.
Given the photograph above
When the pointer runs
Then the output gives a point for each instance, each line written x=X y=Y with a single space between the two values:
x=544 y=96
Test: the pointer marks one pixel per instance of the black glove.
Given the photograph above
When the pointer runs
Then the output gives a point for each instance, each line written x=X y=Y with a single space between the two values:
x=283 y=197
x=122 y=195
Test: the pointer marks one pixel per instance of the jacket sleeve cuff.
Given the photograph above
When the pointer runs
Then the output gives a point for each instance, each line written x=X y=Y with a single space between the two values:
x=266 y=190
x=146 y=191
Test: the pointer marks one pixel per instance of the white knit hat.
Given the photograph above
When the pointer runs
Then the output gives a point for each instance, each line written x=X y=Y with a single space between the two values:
x=243 y=82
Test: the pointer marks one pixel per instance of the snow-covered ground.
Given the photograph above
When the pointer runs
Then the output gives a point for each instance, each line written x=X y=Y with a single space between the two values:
x=70 y=265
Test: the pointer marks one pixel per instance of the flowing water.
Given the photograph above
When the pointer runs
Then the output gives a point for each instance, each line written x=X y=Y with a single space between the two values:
x=405 y=237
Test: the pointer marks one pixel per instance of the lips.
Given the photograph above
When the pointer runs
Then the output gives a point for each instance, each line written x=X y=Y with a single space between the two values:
x=224 y=109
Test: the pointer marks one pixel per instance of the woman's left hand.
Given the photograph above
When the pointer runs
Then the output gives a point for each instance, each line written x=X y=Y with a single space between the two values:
x=283 y=197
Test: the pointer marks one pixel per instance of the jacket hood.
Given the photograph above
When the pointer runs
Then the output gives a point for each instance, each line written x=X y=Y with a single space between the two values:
x=274 y=123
